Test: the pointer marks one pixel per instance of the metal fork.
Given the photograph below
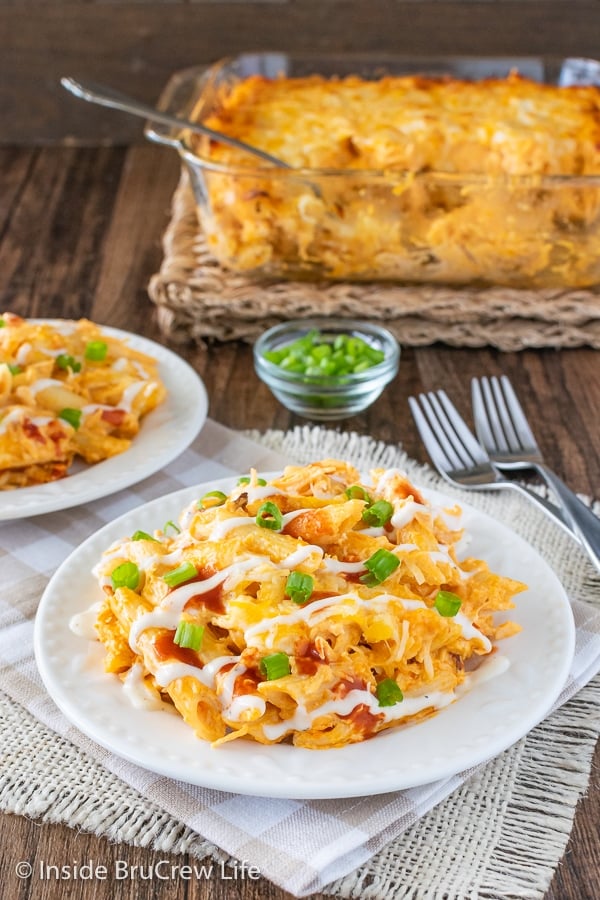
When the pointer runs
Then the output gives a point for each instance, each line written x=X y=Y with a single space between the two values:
x=504 y=431
x=459 y=457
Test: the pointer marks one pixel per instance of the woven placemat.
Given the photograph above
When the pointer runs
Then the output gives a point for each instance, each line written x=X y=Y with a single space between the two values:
x=198 y=299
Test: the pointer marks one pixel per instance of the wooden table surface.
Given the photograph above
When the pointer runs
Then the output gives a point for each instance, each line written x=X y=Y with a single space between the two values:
x=80 y=235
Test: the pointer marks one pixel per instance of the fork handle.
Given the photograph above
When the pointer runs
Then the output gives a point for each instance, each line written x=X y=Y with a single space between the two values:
x=554 y=512
x=581 y=519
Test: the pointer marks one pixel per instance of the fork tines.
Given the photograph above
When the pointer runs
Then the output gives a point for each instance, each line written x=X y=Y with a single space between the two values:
x=444 y=433
x=499 y=417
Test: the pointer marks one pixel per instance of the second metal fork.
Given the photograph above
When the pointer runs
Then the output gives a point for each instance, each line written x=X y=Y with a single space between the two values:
x=503 y=429
x=459 y=457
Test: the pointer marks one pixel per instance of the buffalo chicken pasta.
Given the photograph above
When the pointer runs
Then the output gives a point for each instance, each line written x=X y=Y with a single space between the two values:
x=315 y=607
x=67 y=390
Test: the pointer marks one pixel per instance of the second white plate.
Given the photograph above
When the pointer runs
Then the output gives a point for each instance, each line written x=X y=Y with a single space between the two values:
x=164 y=434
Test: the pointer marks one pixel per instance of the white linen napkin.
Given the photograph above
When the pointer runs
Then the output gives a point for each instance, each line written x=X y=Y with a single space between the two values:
x=305 y=846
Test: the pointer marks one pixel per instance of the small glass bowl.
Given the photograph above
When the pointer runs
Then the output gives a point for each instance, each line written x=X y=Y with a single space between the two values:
x=327 y=397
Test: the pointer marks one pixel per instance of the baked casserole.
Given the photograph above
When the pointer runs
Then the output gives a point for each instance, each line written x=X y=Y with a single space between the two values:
x=406 y=177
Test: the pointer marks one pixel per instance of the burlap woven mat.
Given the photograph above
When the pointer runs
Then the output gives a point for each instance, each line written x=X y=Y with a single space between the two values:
x=198 y=299
x=494 y=832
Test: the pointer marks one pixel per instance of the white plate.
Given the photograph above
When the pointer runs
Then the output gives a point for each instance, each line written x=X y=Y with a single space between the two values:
x=476 y=727
x=163 y=435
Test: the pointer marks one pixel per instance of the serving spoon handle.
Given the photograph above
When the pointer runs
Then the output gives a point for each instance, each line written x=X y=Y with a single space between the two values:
x=107 y=96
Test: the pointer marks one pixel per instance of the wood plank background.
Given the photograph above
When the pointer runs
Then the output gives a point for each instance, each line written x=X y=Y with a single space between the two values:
x=137 y=46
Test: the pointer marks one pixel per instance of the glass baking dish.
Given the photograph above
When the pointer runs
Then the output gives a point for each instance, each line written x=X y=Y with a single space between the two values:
x=437 y=227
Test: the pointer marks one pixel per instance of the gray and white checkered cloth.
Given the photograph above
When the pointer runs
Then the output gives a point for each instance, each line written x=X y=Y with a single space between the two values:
x=303 y=846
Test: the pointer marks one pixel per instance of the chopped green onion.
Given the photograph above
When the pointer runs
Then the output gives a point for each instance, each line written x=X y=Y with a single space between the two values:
x=96 y=350
x=188 y=634
x=245 y=479
x=447 y=603
x=126 y=575
x=379 y=513
x=182 y=573
x=299 y=586
x=171 y=526
x=357 y=492
x=72 y=416
x=276 y=665
x=14 y=369
x=274 y=356
x=269 y=516
x=380 y=566
x=388 y=693
x=321 y=355
x=142 y=536
x=65 y=361
x=218 y=496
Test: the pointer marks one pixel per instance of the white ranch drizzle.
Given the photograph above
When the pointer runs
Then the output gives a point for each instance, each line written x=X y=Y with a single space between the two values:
x=82 y=624
x=187 y=515
x=22 y=354
x=405 y=513
x=131 y=392
x=42 y=420
x=227 y=683
x=315 y=612
x=168 y=613
x=220 y=529
x=126 y=401
x=385 y=477
x=237 y=709
x=139 y=694
x=289 y=517
x=64 y=327
x=260 y=491
x=42 y=383
x=246 y=707
x=48 y=351
x=373 y=531
x=336 y=566
x=123 y=361
x=168 y=672
x=302 y=720
x=18 y=415
x=13 y=417
x=142 y=561
x=299 y=556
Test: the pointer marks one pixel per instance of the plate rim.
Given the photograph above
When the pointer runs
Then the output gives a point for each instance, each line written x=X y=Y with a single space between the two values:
x=24 y=502
x=294 y=788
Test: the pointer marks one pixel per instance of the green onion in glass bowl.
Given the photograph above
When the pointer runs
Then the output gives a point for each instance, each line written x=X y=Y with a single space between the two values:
x=326 y=369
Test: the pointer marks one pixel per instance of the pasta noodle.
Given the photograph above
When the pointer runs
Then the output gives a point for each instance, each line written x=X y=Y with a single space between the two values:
x=317 y=608
x=67 y=390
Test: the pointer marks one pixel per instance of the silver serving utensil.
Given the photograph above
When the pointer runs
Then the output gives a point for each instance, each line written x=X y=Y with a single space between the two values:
x=107 y=96
x=505 y=433
x=459 y=457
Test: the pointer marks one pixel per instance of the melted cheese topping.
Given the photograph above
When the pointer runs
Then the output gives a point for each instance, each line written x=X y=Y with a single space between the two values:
x=509 y=126
x=438 y=180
